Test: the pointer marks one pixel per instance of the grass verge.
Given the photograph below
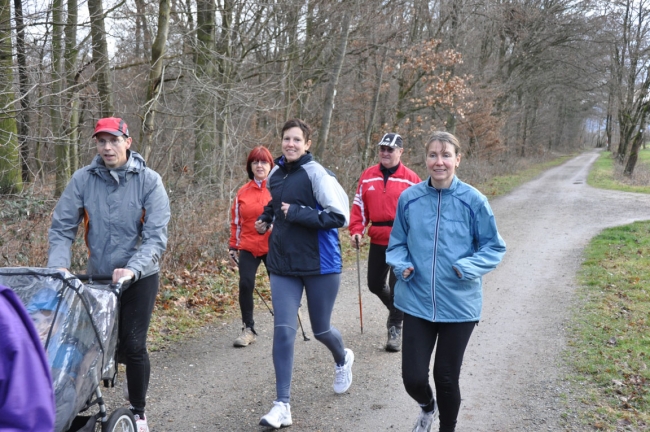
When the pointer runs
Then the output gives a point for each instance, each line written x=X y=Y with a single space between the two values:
x=610 y=332
x=610 y=340
x=604 y=174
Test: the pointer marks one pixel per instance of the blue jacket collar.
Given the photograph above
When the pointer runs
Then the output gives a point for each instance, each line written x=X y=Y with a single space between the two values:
x=290 y=166
x=452 y=187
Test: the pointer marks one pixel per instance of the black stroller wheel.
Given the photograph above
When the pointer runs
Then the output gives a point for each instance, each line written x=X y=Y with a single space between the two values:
x=120 y=420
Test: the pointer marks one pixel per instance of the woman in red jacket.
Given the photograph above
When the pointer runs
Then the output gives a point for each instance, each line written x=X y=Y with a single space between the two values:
x=247 y=248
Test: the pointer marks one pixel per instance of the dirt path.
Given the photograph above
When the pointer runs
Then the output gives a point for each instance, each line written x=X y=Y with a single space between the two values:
x=511 y=377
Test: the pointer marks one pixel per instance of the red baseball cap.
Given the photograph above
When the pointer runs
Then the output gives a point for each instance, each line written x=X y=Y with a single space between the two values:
x=112 y=125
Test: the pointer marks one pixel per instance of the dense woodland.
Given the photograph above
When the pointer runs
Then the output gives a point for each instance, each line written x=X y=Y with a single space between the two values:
x=200 y=82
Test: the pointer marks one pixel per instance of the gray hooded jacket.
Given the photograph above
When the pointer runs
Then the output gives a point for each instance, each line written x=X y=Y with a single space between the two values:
x=125 y=212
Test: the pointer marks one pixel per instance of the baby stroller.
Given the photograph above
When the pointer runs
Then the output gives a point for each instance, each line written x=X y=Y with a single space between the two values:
x=77 y=323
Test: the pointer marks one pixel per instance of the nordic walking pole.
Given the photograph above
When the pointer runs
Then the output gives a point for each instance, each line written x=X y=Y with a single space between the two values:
x=359 y=280
x=255 y=288
x=265 y=304
x=304 y=336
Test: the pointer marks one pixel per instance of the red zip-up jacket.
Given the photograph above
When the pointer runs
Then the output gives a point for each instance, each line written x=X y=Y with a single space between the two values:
x=247 y=206
x=375 y=202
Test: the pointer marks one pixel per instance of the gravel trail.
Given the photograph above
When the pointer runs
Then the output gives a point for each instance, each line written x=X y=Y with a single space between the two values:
x=512 y=374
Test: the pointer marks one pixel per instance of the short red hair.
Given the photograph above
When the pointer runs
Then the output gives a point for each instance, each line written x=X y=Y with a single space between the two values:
x=259 y=153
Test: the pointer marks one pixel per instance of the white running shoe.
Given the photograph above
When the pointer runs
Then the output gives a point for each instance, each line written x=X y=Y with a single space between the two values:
x=425 y=420
x=141 y=424
x=280 y=415
x=343 y=374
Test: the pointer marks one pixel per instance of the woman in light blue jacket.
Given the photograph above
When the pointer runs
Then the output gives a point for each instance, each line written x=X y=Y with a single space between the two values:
x=444 y=239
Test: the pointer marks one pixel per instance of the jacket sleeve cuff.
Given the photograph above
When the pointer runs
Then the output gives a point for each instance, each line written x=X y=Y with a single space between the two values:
x=136 y=273
x=400 y=271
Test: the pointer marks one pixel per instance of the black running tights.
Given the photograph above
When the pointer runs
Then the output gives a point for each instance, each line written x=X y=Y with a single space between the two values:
x=136 y=307
x=419 y=339
x=248 y=264
x=378 y=271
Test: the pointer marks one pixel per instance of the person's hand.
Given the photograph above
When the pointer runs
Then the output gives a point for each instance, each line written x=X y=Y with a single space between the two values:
x=63 y=269
x=285 y=208
x=261 y=226
x=355 y=239
x=460 y=276
x=119 y=273
x=234 y=256
x=407 y=272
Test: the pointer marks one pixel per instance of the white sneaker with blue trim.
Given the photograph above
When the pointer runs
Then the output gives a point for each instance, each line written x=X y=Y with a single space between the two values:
x=280 y=415
x=343 y=374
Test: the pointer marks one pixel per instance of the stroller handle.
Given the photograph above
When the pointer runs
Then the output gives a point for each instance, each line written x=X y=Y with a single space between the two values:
x=117 y=287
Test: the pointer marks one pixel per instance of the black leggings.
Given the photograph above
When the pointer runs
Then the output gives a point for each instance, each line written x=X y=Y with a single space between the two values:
x=248 y=265
x=419 y=339
x=136 y=307
x=378 y=270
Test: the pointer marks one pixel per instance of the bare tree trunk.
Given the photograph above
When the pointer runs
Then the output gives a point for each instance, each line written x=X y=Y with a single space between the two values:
x=608 y=120
x=38 y=145
x=632 y=120
x=373 y=112
x=56 y=100
x=205 y=111
x=533 y=120
x=561 y=123
x=154 y=86
x=76 y=145
x=10 y=172
x=23 y=79
x=331 y=88
x=627 y=64
x=518 y=146
x=100 y=58
x=71 y=93
x=291 y=58
x=223 y=122
x=636 y=143
x=304 y=96
x=142 y=35
x=453 y=36
x=226 y=64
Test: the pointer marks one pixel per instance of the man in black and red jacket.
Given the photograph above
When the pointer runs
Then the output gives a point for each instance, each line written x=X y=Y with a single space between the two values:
x=374 y=205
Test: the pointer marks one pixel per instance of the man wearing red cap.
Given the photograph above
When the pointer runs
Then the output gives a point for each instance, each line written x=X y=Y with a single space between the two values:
x=375 y=204
x=125 y=211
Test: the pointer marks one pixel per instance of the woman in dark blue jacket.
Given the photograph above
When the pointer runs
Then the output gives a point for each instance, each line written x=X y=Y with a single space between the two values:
x=307 y=208
x=444 y=239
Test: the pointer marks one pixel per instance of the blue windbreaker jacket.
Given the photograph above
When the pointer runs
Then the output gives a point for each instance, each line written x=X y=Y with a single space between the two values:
x=306 y=241
x=434 y=232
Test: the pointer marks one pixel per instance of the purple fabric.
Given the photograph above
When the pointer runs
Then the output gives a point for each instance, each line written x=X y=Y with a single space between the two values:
x=26 y=395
